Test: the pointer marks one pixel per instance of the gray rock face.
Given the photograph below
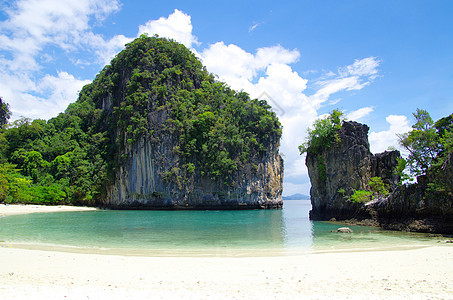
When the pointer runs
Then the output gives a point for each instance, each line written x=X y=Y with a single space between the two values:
x=344 y=167
x=140 y=183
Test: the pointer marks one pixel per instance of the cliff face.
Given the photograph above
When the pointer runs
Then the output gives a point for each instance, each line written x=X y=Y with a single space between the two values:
x=348 y=165
x=339 y=170
x=177 y=138
x=139 y=183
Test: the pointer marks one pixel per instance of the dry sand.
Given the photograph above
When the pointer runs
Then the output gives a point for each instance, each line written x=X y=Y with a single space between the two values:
x=425 y=273
x=8 y=210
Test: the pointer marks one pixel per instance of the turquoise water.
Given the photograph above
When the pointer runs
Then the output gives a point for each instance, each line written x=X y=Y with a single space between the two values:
x=213 y=233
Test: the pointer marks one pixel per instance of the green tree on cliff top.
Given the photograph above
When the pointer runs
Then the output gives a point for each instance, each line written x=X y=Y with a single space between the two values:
x=428 y=143
x=430 y=147
x=323 y=132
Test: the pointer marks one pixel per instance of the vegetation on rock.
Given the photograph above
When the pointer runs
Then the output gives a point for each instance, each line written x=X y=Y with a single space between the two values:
x=430 y=147
x=377 y=189
x=323 y=133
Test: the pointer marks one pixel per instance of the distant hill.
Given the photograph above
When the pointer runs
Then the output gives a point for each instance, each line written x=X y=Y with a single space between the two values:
x=296 y=197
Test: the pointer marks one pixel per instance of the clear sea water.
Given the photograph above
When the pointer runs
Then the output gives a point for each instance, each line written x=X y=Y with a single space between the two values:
x=287 y=231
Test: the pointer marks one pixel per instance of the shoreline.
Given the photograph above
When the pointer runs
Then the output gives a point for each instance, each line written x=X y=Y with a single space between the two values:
x=425 y=272
x=229 y=252
x=22 y=209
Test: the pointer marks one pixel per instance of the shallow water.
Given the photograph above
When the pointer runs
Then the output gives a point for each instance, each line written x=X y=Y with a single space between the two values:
x=208 y=233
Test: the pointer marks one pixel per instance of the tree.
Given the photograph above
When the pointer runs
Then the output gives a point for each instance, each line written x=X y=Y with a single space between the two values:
x=323 y=133
x=5 y=113
x=430 y=147
x=422 y=143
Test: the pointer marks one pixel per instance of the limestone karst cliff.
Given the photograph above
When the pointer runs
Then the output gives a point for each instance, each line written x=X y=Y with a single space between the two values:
x=419 y=207
x=336 y=172
x=344 y=167
x=177 y=138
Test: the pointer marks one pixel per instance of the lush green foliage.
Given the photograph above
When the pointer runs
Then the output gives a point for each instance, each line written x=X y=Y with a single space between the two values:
x=377 y=189
x=153 y=89
x=361 y=196
x=323 y=133
x=421 y=142
x=60 y=163
x=400 y=170
x=430 y=145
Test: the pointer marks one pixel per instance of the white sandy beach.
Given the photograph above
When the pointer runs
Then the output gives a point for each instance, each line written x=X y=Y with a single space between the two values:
x=17 y=209
x=425 y=273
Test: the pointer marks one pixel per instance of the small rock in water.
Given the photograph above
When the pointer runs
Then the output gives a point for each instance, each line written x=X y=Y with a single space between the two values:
x=344 y=230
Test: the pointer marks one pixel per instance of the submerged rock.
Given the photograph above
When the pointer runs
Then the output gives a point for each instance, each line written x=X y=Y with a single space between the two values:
x=344 y=230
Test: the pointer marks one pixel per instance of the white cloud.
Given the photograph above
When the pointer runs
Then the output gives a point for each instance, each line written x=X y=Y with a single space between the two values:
x=275 y=55
x=177 y=26
x=62 y=89
x=28 y=37
x=34 y=24
x=43 y=98
x=231 y=63
x=353 y=77
x=381 y=141
x=253 y=27
x=363 y=67
x=107 y=50
x=357 y=115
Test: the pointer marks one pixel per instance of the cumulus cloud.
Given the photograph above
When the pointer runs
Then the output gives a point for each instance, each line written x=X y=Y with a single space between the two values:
x=106 y=50
x=177 y=26
x=62 y=90
x=42 y=98
x=31 y=29
x=32 y=25
x=381 y=141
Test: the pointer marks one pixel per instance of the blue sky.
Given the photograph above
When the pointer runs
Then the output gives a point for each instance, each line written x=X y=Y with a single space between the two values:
x=376 y=60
